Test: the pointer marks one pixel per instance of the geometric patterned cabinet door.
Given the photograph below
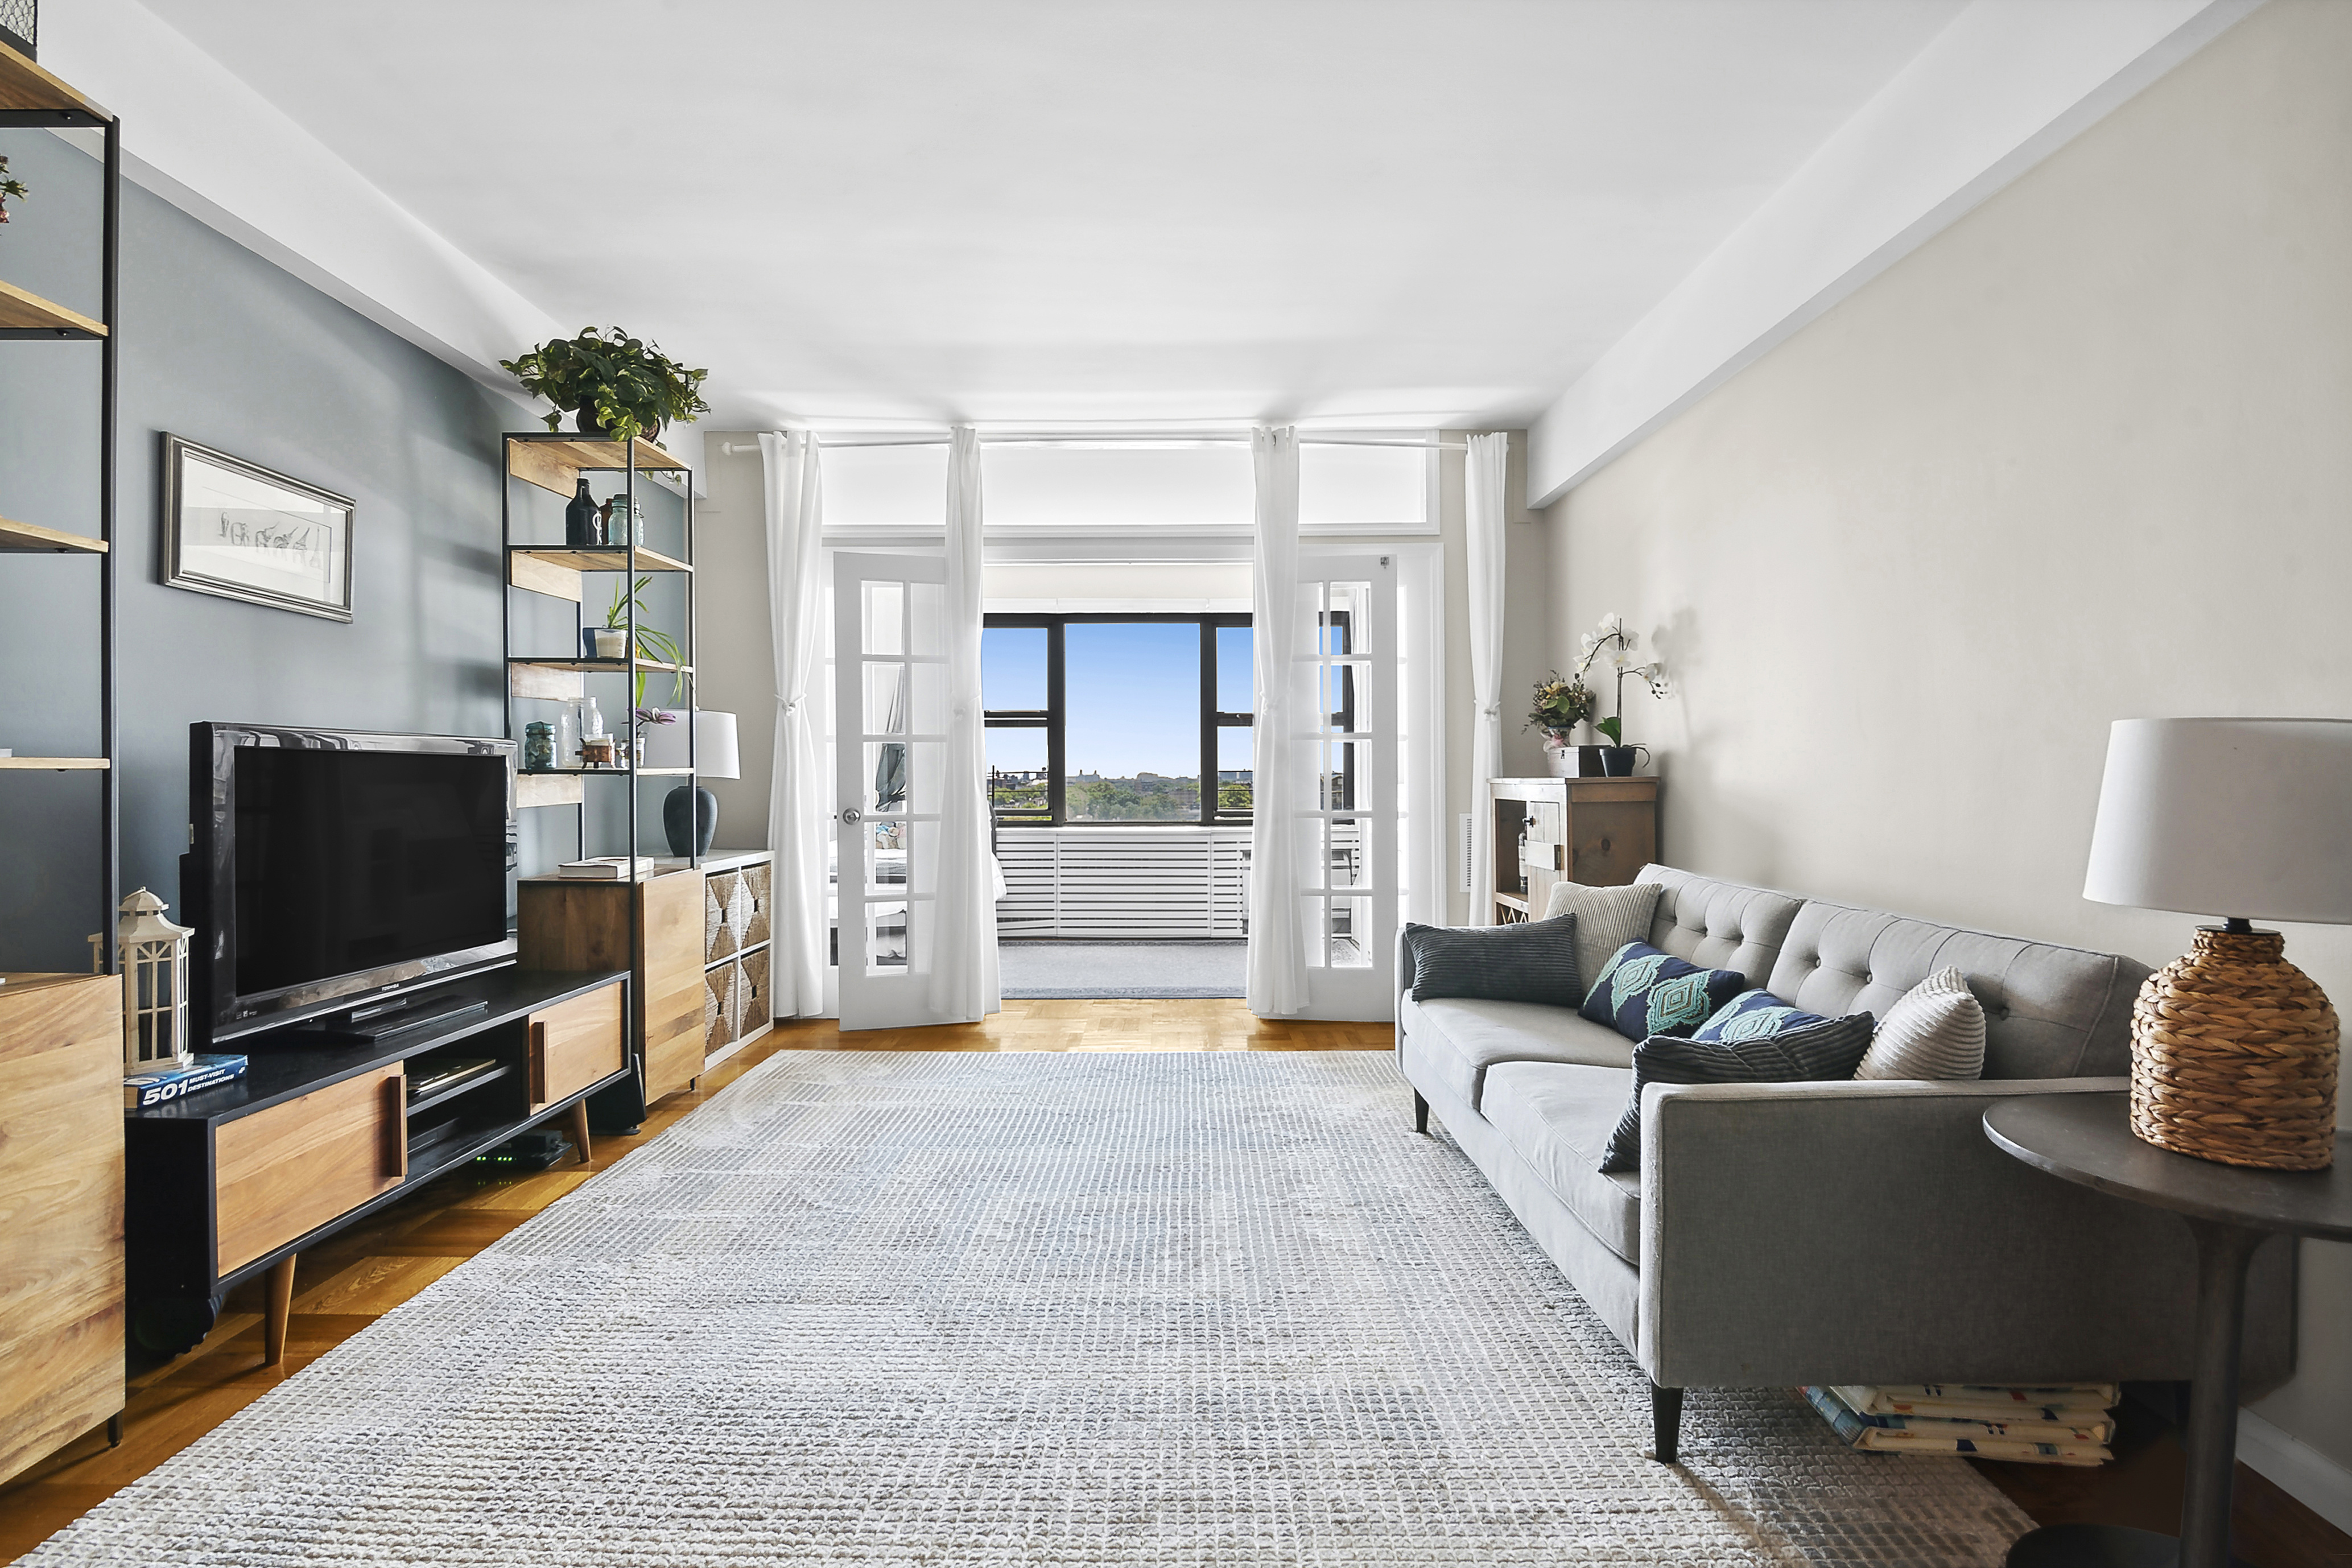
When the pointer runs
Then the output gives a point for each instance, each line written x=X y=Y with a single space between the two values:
x=62 y=1313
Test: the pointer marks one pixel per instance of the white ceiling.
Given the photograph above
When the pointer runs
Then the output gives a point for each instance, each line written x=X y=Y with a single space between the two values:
x=1379 y=212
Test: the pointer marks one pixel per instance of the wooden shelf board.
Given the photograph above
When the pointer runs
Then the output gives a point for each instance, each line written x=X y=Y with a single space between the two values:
x=553 y=462
x=27 y=312
x=54 y=764
x=603 y=666
x=24 y=85
x=31 y=537
x=604 y=558
x=548 y=789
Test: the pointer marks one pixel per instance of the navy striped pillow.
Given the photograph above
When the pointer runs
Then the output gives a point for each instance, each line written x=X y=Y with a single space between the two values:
x=1830 y=1049
x=1533 y=961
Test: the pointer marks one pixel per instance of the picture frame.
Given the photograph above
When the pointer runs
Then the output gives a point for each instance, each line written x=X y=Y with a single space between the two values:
x=239 y=531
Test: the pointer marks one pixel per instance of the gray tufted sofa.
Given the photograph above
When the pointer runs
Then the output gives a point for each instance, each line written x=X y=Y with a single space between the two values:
x=1833 y=1233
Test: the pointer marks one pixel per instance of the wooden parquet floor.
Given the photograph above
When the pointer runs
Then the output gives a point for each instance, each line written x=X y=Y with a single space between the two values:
x=346 y=1284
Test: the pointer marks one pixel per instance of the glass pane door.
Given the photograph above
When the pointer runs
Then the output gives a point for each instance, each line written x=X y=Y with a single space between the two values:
x=1344 y=665
x=891 y=709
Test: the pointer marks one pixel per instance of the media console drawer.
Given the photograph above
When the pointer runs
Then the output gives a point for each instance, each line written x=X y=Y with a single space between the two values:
x=279 y=1173
x=575 y=1043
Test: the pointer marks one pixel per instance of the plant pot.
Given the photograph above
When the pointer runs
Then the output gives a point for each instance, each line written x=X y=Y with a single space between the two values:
x=587 y=420
x=1619 y=761
x=605 y=642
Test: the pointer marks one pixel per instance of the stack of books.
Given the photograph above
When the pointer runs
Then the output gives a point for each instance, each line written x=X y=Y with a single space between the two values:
x=2055 y=1423
x=162 y=1085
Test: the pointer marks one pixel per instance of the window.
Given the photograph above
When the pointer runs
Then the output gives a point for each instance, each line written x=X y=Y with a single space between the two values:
x=1118 y=718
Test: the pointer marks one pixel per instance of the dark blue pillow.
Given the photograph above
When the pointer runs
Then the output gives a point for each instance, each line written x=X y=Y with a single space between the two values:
x=1641 y=992
x=1825 y=1049
x=1527 y=961
x=1754 y=1015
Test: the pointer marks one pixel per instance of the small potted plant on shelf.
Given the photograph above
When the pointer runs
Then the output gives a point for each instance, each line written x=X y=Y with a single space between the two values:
x=11 y=189
x=610 y=640
x=646 y=718
x=1560 y=707
x=612 y=384
x=1617 y=758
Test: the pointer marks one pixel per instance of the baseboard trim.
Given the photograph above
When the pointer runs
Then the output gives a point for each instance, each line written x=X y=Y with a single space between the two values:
x=2301 y=1471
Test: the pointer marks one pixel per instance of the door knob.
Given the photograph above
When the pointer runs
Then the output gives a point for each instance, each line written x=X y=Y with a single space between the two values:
x=852 y=816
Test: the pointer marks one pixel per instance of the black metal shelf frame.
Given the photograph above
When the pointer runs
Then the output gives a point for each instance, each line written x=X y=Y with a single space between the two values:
x=109 y=291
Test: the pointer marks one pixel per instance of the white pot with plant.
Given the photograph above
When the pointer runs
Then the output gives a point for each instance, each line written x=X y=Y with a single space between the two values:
x=610 y=640
x=1611 y=639
x=1562 y=709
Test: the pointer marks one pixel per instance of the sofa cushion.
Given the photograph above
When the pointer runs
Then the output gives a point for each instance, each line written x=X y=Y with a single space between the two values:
x=1558 y=1117
x=1529 y=961
x=1719 y=925
x=2050 y=1011
x=1936 y=1030
x=1822 y=1052
x=1645 y=992
x=1461 y=1038
x=1606 y=920
x=1752 y=1015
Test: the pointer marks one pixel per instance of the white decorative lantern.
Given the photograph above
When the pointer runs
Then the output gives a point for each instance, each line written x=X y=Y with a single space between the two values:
x=154 y=955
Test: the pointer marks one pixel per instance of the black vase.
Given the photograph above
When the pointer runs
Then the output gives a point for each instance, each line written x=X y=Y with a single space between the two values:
x=705 y=806
x=1619 y=761
x=580 y=530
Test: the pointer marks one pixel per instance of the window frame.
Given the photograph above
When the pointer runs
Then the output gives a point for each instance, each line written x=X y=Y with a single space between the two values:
x=1054 y=717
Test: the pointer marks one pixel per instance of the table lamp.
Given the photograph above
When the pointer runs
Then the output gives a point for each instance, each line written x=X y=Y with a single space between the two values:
x=2233 y=1048
x=716 y=756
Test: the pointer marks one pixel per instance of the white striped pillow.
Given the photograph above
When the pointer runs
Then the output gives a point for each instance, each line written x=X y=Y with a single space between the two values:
x=1606 y=920
x=1934 y=1030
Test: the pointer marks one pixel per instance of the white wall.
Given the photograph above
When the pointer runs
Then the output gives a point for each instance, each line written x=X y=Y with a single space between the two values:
x=2087 y=454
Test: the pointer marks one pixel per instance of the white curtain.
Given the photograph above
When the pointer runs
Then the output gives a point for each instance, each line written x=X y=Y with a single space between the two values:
x=798 y=797
x=1277 y=961
x=964 y=983
x=1483 y=495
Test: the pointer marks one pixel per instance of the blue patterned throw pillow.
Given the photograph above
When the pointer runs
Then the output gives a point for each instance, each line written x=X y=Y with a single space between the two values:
x=1641 y=992
x=1824 y=1049
x=1755 y=1015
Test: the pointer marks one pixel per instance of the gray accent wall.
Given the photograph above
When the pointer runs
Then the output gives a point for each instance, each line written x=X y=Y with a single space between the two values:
x=223 y=347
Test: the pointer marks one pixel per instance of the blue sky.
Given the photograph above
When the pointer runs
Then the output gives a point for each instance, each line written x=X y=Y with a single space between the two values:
x=1133 y=691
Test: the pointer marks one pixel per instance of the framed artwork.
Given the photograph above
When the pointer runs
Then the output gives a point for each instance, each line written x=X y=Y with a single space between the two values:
x=244 y=532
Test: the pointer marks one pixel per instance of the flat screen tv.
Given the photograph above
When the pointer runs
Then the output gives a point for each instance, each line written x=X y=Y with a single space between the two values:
x=328 y=868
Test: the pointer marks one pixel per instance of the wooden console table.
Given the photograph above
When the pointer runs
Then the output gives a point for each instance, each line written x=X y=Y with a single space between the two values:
x=1597 y=831
x=236 y=1182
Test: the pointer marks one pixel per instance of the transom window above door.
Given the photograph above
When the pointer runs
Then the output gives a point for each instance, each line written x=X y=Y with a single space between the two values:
x=1118 y=718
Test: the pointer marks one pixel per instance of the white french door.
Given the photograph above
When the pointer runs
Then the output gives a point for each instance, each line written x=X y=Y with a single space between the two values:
x=891 y=722
x=1345 y=665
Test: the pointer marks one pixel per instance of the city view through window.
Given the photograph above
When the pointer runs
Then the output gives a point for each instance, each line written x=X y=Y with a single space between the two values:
x=1101 y=719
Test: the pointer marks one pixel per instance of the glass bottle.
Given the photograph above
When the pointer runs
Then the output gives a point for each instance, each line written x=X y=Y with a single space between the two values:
x=567 y=737
x=580 y=518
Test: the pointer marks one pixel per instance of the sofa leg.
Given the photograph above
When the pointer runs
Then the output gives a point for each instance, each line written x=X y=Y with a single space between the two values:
x=1419 y=1114
x=1665 y=1423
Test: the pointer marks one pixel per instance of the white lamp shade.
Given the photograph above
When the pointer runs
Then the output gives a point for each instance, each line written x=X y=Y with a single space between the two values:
x=715 y=753
x=2233 y=818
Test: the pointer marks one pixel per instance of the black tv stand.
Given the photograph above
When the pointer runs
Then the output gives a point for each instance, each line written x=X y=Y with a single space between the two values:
x=233 y=1182
x=382 y=1020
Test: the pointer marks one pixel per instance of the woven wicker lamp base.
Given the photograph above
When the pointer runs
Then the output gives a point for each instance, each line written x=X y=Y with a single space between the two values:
x=2233 y=1056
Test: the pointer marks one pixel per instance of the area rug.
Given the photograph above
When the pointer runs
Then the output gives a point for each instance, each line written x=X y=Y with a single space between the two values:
x=874 y=1308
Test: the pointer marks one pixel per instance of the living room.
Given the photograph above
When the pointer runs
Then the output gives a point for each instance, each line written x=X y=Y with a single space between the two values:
x=1709 y=604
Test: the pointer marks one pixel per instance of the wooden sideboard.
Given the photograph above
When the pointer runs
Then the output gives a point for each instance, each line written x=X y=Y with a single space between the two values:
x=238 y=1181
x=61 y=1310
x=695 y=937
x=1597 y=831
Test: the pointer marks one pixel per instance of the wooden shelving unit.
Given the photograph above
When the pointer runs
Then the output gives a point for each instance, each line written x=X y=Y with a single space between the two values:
x=554 y=463
x=62 y=1264
x=34 y=98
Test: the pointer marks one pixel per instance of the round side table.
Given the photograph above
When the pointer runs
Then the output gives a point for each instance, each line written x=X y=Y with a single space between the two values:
x=2087 y=1139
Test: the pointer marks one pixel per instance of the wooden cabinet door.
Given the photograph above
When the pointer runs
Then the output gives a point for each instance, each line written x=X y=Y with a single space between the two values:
x=573 y=1044
x=670 y=999
x=60 y=1211
x=293 y=1167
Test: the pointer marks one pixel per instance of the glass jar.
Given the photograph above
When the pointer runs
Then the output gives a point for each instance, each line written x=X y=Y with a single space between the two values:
x=538 y=747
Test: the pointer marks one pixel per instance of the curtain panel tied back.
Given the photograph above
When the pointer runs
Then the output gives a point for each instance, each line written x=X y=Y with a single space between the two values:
x=1277 y=980
x=800 y=797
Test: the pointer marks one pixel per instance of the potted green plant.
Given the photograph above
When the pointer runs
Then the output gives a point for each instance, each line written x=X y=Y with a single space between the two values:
x=1560 y=707
x=612 y=384
x=11 y=189
x=610 y=640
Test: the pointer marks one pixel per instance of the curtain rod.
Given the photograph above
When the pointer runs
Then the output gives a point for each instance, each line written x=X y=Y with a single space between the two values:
x=732 y=448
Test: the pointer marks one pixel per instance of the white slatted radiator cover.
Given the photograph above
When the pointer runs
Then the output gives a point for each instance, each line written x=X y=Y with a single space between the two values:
x=1124 y=882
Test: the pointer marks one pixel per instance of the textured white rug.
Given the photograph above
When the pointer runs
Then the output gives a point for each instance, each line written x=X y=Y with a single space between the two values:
x=872 y=1308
